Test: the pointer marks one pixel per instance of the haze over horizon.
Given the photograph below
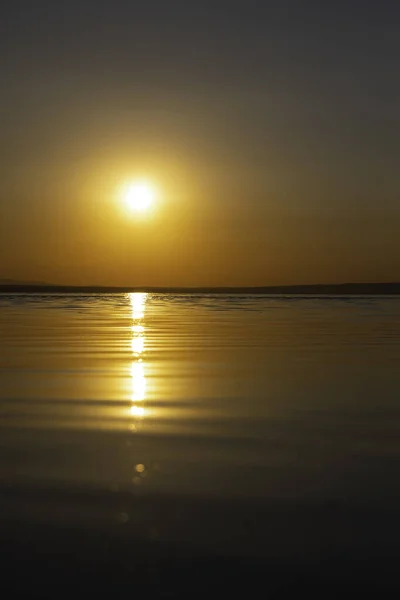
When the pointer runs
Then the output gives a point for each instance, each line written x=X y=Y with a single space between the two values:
x=270 y=130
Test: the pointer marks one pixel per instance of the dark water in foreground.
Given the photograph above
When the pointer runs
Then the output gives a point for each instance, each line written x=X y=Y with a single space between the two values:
x=228 y=425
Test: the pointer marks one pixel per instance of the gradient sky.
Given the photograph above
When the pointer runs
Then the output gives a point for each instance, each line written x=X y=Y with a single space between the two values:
x=271 y=129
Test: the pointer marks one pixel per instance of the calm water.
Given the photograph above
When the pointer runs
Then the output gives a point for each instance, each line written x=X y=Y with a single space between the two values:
x=271 y=399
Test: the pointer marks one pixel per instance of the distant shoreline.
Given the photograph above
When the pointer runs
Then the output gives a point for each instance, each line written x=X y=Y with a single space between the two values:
x=344 y=289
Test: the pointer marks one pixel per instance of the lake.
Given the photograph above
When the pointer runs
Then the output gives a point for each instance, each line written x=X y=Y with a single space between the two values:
x=226 y=425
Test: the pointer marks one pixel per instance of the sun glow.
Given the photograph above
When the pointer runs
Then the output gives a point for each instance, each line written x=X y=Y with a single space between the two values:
x=138 y=196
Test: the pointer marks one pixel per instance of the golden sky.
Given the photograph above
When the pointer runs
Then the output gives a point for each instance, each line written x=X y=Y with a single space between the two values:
x=271 y=140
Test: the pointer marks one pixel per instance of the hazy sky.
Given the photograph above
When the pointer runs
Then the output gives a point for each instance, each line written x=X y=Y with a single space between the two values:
x=270 y=128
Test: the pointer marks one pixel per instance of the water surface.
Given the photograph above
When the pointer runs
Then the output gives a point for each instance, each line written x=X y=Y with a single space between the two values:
x=290 y=401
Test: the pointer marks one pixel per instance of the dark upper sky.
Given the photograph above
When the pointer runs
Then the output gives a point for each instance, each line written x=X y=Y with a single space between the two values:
x=271 y=129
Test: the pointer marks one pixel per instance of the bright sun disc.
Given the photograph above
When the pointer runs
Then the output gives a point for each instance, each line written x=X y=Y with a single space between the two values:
x=139 y=196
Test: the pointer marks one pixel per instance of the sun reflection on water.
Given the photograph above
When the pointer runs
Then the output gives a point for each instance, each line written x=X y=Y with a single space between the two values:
x=138 y=377
x=138 y=303
x=137 y=345
x=137 y=411
x=138 y=382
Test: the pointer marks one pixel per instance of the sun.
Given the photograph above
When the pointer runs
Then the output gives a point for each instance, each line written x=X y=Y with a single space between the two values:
x=139 y=196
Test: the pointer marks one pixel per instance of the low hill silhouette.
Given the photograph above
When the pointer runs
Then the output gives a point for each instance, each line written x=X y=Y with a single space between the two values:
x=345 y=289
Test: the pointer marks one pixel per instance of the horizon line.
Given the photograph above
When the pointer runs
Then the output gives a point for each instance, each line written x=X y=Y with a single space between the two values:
x=392 y=287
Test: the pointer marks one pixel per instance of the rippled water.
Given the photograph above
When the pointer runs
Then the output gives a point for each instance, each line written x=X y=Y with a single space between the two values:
x=285 y=400
x=207 y=395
